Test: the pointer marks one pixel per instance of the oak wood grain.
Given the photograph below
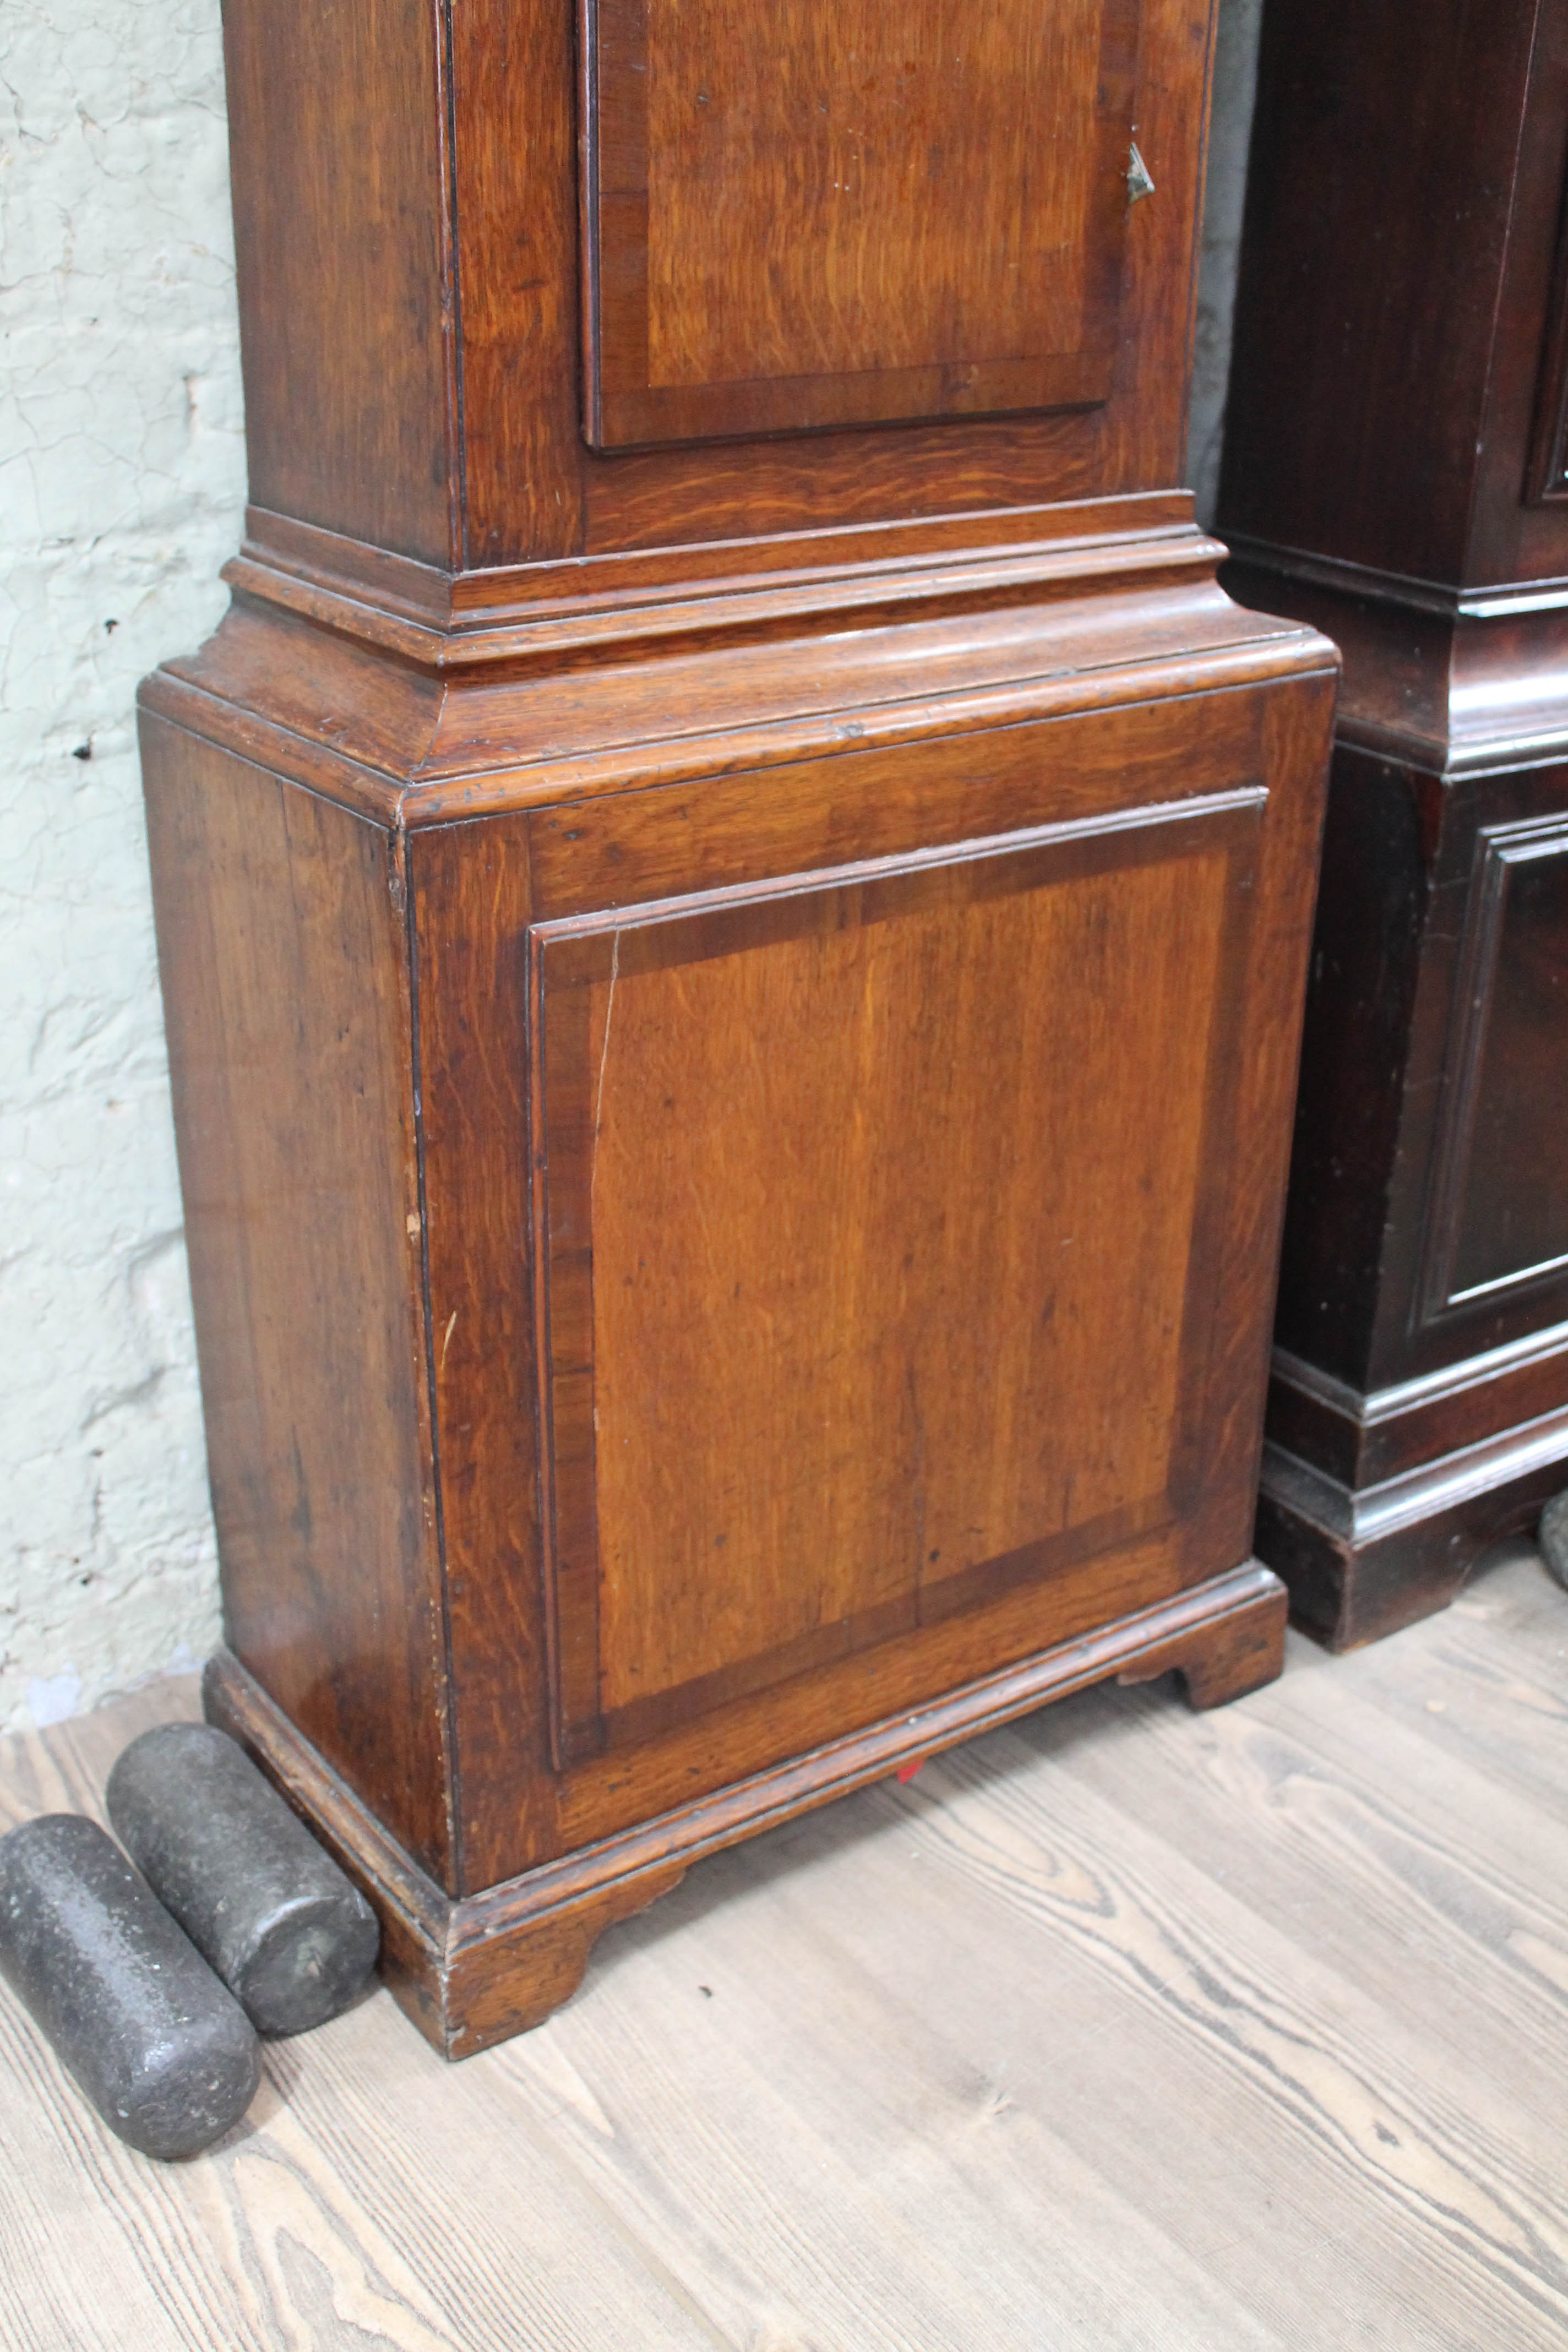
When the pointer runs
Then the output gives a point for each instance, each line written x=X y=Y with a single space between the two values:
x=519 y=289
x=406 y=200
x=400 y=584
x=926 y=138
x=765 y=1388
x=853 y=219
x=335 y=142
x=282 y=946
x=423 y=750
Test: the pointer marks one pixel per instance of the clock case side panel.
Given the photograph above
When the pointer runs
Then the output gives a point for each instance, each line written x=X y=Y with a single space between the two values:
x=283 y=958
x=339 y=163
x=470 y=901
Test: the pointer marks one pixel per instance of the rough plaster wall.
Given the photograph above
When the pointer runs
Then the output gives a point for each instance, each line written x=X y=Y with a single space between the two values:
x=122 y=481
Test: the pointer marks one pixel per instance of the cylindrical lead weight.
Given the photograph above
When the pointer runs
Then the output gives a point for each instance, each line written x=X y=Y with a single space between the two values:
x=291 y=1937
x=166 y=2056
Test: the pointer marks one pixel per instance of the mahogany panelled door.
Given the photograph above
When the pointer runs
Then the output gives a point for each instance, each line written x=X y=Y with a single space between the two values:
x=1394 y=471
x=732 y=901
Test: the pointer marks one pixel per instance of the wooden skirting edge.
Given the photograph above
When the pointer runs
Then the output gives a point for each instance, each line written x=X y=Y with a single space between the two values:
x=1363 y=1516
x=1362 y=1441
x=472 y=1970
x=1363 y=1563
x=1408 y=1397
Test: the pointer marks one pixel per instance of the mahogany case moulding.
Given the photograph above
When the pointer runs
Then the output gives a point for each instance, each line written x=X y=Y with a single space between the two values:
x=732 y=1005
x=1395 y=473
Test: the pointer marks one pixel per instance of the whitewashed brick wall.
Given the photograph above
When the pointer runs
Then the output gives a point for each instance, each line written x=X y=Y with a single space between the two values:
x=121 y=483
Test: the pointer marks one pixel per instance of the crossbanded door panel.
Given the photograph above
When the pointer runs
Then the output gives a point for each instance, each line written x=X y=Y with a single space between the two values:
x=878 y=1242
x=848 y=213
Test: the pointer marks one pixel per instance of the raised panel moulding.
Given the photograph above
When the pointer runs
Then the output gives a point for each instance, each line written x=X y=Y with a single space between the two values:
x=859 y=215
x=1507 y=1081
x=815 y=1382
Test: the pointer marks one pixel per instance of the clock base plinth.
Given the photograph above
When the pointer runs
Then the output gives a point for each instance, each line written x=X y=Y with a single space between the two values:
x=732 y=1198
x=473 y=1971
x=1361 y=1564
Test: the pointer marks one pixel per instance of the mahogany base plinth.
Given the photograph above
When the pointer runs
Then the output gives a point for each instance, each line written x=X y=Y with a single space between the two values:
x=1418 y=1408
x=473 y=1971
x=1363 y=1559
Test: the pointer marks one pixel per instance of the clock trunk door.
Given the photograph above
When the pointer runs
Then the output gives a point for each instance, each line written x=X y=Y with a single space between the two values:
x=839 y=212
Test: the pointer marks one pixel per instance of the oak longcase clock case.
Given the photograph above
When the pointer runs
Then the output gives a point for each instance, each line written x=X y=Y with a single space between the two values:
x=732 y=901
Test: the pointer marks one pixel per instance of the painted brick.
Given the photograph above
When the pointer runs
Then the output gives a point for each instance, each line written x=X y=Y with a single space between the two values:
x=121 y=484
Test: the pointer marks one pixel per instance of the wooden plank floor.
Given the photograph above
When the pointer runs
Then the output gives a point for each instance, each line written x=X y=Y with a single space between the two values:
x=1123 y=2027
